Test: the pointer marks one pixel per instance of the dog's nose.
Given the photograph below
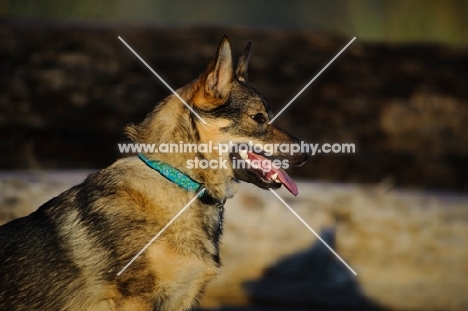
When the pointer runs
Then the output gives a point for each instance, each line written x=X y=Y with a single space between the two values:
x=305 y=156
x=301 y=158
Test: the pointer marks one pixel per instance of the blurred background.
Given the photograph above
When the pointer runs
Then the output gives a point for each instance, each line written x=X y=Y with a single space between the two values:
x=396 y=210
x=389 y=21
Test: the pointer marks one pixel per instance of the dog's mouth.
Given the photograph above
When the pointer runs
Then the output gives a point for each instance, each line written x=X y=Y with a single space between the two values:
x=261 y=171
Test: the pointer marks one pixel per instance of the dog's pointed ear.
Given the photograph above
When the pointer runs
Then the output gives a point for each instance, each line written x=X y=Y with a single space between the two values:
x=243 y=64
x=214 y=85
x=215 y=82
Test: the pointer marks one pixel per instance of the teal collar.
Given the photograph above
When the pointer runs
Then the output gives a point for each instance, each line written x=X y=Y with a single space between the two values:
x=182 y=180
x=173 y=174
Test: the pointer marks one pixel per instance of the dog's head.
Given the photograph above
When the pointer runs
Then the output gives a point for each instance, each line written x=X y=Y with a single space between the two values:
x=237 y=113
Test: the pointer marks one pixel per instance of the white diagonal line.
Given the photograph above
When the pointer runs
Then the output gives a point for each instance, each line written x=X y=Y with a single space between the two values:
x=312 y=230
x=310 y=82
x=162 y=80
x=161 y=231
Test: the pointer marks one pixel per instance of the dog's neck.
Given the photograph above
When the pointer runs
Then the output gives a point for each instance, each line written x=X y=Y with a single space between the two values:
x=220 y=183
x=182 y=180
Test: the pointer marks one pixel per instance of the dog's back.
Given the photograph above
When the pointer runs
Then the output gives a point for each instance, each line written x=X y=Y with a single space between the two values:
x=35 y=261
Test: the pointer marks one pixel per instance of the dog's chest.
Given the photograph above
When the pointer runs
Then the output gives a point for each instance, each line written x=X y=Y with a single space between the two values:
x=217 y=226
x=180 y=277
x=221 y=219
x=213 y=223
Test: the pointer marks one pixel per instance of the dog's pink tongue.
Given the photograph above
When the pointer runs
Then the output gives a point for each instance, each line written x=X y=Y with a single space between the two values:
x=285 y=179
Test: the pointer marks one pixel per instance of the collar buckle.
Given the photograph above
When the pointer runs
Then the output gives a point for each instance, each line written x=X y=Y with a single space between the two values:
x=207 y=199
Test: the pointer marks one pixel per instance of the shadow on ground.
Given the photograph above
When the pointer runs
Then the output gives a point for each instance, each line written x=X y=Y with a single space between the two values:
x=313 y=279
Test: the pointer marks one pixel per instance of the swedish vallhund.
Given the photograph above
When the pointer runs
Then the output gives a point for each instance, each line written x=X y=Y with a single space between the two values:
x=67 y=254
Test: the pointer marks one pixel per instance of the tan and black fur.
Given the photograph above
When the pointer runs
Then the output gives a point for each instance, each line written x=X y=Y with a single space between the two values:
x=66 y=255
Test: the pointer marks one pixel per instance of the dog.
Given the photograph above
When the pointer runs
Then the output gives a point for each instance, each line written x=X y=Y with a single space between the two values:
x=67 y=254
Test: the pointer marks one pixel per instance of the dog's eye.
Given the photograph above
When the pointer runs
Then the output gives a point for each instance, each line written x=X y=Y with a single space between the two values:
x=259 y=118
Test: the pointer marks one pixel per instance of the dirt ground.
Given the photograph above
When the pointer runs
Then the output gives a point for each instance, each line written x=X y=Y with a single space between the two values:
x=408 y=248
